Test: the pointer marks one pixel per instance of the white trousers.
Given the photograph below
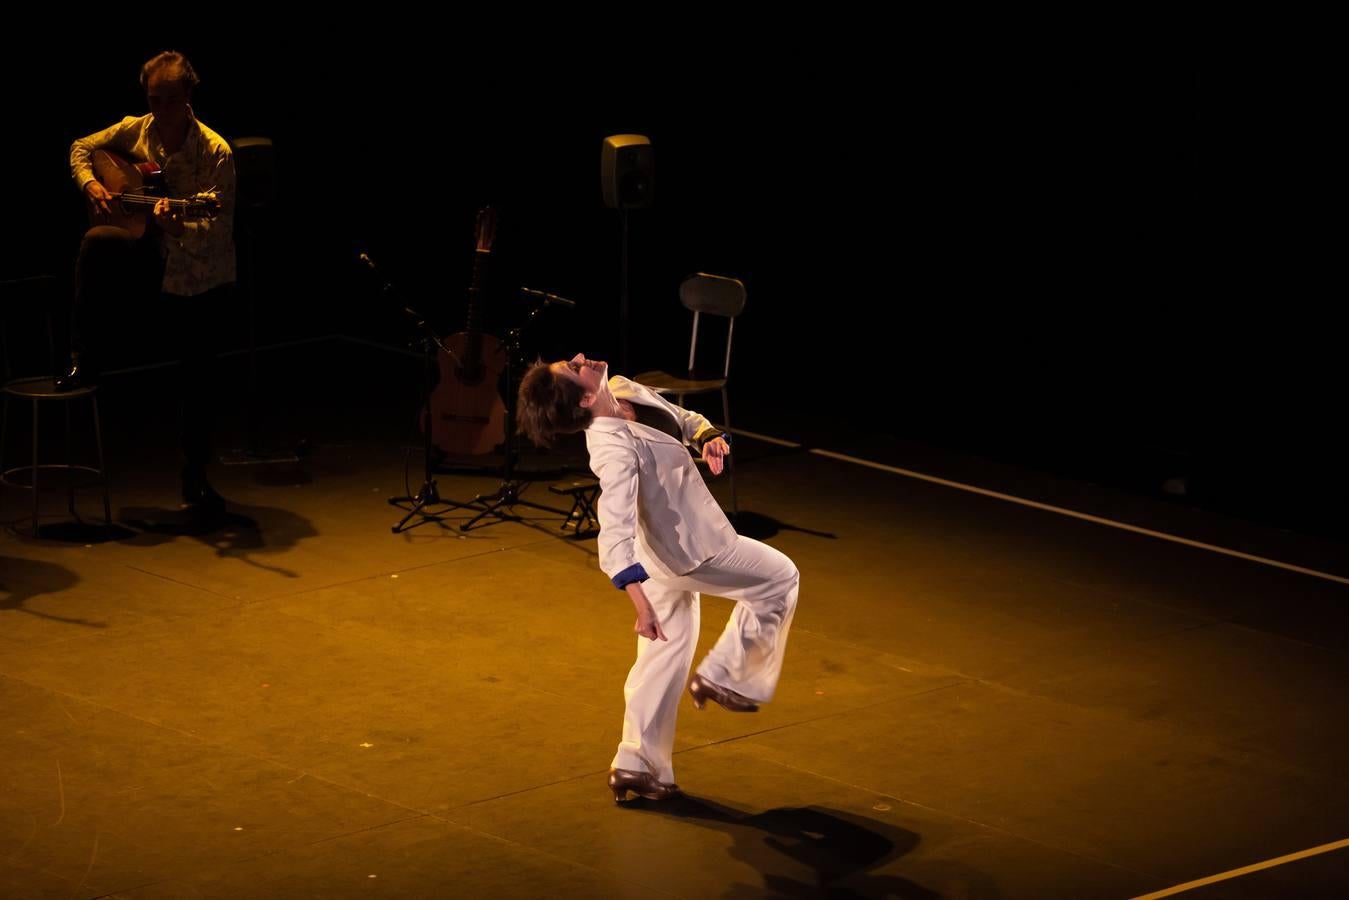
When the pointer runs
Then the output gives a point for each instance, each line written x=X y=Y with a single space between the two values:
x=747 y=658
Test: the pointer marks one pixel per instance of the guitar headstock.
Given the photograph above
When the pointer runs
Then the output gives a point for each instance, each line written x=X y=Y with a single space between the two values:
x=486 y=229
x=204 y=205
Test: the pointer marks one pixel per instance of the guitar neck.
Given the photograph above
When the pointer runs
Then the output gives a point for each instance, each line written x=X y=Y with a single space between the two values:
x=475 y=288
x=485 y=232
x=138 y=200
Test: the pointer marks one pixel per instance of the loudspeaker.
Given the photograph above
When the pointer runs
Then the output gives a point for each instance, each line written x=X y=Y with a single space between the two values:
x=255 y=173
x=627 y=171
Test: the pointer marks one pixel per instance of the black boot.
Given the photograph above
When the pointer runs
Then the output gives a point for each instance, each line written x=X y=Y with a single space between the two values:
x=198 y=493
x=80 y=374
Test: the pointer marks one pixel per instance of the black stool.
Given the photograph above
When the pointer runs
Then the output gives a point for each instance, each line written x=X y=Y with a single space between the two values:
x=31 y=298
x=39 y=391
x=583 y=495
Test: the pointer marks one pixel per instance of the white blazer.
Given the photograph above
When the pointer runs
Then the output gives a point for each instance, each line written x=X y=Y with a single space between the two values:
x=657 y=517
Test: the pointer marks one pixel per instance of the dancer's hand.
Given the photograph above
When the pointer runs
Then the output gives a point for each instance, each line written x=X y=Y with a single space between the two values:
x=648 y=626
x=648 y=623
x=714 y=454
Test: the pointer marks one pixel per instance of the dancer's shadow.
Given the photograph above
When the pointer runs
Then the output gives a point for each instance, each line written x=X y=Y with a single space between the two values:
x=760 y=527
x=843 y=850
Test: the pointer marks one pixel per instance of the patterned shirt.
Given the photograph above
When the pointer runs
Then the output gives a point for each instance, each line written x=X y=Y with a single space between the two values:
x=203 y=257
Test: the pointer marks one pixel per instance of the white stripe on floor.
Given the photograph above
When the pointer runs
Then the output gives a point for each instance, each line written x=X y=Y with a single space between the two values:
x=1246 y=870
x=1123 y=526
x=1086 y=517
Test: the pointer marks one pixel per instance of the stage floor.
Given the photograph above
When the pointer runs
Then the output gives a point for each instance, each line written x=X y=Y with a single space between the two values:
x=984 y=696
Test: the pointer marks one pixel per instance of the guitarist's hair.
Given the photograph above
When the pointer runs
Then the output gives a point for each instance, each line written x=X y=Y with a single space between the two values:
x=170 y=60
x=550 y=406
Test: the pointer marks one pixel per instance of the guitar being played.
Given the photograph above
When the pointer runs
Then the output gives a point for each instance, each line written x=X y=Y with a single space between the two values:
x=125 y=194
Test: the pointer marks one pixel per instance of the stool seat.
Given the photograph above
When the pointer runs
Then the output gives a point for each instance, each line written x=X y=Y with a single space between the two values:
x=44 y=389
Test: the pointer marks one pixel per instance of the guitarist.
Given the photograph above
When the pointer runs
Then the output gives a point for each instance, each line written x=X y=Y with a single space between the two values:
x=189 y=262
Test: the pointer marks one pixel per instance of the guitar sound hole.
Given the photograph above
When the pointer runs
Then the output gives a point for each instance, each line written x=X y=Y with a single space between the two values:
x=470 y=376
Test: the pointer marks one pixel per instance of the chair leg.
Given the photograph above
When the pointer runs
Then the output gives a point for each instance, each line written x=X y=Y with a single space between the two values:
x=4 y=442
x=34 y=470
x=730 y=460
x=102 y=471
x=70 y=474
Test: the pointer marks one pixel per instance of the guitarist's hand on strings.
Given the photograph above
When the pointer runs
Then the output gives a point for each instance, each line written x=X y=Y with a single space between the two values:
x=167 y=219
x=99 y=196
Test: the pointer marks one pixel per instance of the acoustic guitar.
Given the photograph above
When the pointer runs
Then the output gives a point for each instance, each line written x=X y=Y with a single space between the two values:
x=468 y=416
x=135 y=189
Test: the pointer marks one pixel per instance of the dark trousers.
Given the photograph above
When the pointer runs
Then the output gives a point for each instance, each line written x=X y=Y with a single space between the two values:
x=117 y=282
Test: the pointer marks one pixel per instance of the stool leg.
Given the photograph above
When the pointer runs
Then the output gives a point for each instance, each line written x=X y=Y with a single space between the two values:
x=730 y=472
x=4 y=440
x=70 y=474
x=591 y=517
x=102 y=472
x=35 y=469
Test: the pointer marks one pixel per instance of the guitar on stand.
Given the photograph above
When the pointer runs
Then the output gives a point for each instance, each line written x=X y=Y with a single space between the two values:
x=467 y=414
x=464 y=412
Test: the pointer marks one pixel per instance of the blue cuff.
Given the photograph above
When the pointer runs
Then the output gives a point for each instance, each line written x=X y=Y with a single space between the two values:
x=632 y=573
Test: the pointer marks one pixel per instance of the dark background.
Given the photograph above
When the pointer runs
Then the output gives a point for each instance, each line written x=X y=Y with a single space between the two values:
x=1103 y=255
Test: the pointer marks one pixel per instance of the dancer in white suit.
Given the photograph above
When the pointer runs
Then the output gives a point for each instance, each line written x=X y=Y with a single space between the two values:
x=664 y=540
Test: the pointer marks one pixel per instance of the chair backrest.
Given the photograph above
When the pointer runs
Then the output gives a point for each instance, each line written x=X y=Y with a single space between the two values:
x=714 y=295
x=27 y=342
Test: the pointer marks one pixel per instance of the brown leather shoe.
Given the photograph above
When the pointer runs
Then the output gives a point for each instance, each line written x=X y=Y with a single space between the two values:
x=643 y=784
x=703 y=690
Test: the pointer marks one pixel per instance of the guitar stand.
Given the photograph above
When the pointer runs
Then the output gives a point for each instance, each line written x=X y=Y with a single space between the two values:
x=499 y=503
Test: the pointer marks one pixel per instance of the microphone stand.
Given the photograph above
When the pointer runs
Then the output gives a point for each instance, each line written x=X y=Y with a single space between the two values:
x=508 y=495
x=428 y=495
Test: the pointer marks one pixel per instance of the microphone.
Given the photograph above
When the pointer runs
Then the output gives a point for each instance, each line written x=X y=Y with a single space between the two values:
x=549 y=299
